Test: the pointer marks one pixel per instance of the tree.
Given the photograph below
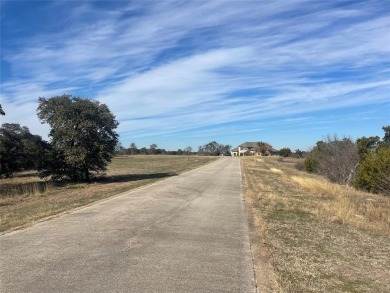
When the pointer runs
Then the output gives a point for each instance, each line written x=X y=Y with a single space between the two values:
x=225 y=149
x=143 y=151
x=82 y=136
x=299 y=153
x=1 y=111
x=336 y=159
x=210 y=149
x=11 y=149
x=386 y=137
x=120 y=150
x=367 y=145
x=153 y=149
x=263 y=147
x=214 y=149
x=19 y=149
x=285 y=152
x=133 y=150
x=187 y=150
x=374 y=172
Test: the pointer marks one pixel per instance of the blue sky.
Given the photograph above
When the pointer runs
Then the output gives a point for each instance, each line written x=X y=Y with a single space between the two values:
x=184 y=73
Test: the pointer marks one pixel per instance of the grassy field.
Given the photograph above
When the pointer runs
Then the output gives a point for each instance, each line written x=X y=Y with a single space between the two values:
x=25 y=198
x=309 y=235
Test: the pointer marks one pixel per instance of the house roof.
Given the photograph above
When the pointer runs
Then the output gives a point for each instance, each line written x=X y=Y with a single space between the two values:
x=253 y=145
x=234 y=150
x=249 y=145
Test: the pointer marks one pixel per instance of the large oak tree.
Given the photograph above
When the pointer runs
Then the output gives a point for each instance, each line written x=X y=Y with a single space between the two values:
x=82 y=136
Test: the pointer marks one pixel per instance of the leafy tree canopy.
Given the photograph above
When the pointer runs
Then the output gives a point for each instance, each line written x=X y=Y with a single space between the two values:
x=298 y=153
x=285 y=152
x=82 y=136
x=374 y=170
x=367 y=145
x=19 y=149
x=214 y=149
x=386 y=137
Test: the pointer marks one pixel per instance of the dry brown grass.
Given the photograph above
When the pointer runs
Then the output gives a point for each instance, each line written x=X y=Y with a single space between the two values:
x=317 y=236
x=23 y=201
x=348 y=206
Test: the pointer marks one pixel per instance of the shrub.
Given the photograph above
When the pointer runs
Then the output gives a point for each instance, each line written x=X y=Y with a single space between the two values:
x=285 y=152
x=300 y=165
x=374 y=172
x=310 y=164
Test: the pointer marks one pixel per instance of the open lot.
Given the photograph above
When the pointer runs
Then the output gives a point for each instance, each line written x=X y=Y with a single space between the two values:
x=309 y=235
x=26 y=198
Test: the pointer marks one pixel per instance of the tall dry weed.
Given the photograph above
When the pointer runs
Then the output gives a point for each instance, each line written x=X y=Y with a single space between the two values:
x=346 y=205
x=25 y=188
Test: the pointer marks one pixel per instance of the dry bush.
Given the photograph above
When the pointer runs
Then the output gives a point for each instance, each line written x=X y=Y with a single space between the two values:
x=300 y=165
x=337 y=159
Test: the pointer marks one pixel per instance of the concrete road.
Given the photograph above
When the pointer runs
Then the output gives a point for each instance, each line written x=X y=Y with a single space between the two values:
x=184 y=234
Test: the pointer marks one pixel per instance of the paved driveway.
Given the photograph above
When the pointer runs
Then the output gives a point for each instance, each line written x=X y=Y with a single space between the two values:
x=184 y=234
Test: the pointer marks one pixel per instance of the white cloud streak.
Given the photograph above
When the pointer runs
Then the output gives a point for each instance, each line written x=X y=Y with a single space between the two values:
x=168 y=67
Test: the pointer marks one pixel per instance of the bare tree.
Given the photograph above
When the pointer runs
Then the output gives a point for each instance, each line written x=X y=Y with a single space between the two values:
x=337 y=159
x=263 y=148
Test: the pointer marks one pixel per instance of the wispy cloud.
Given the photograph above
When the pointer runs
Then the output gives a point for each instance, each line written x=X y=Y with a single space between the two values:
x=170 y=66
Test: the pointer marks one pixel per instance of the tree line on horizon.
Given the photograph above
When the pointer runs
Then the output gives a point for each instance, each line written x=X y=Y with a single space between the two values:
x=210 y=149
x=152 y=150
